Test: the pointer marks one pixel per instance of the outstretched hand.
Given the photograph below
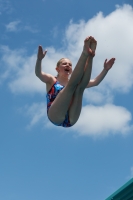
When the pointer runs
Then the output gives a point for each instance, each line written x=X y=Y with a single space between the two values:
x=41 y=54
x=108 y=64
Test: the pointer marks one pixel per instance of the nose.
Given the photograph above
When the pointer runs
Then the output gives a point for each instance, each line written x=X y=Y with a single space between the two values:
x=68 y=65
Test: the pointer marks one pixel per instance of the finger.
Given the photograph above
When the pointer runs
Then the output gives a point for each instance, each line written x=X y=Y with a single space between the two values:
x=105 y=61
x=113 y=59
x=40 y=49
x=44 y=53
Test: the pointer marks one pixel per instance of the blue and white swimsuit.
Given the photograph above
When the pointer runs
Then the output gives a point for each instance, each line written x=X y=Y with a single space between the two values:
x=51 y=95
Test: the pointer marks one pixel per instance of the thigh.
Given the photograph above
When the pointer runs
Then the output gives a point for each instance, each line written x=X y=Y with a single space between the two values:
x=60 y=106
x=76 y=106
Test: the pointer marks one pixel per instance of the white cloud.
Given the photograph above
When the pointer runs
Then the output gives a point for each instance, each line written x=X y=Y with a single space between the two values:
x=20 y=69
x=98 y=95
x=95 y=121
x=114 y=34
x=36 y=113
x=102 y=120
x=114 y=40
x=13 y=26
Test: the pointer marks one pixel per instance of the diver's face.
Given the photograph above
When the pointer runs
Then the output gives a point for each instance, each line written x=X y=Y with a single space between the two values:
x=65 y=67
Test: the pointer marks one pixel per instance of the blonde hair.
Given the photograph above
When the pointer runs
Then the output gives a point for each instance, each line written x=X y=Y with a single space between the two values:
x=59 y=62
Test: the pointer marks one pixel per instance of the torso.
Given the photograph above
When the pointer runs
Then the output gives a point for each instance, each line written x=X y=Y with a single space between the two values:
x=53 y=92
x=53 y=80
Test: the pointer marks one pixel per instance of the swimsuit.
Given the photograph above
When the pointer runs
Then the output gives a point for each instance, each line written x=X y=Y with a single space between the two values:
x=51 y=95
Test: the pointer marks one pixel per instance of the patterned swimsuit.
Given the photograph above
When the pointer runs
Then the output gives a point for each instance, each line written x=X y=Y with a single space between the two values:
x=51 y=95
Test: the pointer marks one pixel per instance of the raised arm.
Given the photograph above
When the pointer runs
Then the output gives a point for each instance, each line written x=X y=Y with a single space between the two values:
x=100 y=77
x=46 y=78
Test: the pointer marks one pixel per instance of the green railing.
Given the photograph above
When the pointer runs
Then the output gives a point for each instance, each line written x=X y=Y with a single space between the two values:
x=123 y=193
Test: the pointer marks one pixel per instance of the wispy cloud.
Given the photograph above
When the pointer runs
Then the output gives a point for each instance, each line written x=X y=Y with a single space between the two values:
x=13 y=26
x=131 y=174
x=55 y=32
x=30 y=29
x=5 y=6
x=21 y=69
x=129 y=2
x=17 y=25
x=35 y=112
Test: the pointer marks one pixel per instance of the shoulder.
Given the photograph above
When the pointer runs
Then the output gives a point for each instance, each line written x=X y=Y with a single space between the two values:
x=47 y=78
x=51 y=81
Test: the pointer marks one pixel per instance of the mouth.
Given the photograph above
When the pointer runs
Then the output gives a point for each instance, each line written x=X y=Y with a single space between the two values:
x=67 y=69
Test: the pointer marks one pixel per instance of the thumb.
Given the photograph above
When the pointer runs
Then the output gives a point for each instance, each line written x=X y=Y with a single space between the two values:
x=44 y=53
x=105 y=61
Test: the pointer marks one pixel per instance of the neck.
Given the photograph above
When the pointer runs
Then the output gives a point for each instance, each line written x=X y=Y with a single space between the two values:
x=63 y=79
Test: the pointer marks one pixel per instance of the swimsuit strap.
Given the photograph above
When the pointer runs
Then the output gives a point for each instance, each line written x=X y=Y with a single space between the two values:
x=52 y=85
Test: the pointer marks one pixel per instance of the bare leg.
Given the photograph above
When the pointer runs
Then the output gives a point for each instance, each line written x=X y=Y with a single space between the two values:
x=62 y=102
x=76 y=105
x=80 y=67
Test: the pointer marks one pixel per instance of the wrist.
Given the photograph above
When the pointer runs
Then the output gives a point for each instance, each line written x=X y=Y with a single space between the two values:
x=105 y=70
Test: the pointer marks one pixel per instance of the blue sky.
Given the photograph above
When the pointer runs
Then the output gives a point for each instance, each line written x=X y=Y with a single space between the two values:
x=93 y=158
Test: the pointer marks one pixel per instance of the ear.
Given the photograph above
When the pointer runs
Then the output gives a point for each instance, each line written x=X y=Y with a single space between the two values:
x=57 y=69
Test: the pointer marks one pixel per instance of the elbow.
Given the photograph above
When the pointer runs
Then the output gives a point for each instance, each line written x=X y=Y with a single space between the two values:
x=36 y=73
x=96 y=83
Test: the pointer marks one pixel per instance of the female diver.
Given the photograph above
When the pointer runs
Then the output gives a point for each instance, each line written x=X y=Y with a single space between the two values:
x=64 y=95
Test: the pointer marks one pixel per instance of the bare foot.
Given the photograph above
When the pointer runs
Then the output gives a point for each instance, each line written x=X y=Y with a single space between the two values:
x=87 y=43
x=93 y=45
x=90 y=46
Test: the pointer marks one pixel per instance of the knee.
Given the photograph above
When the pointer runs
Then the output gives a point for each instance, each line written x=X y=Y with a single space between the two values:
x=72 y=121
x=71 y=87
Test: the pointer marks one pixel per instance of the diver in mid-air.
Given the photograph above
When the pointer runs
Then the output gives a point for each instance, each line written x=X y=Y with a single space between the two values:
x=64 y=95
